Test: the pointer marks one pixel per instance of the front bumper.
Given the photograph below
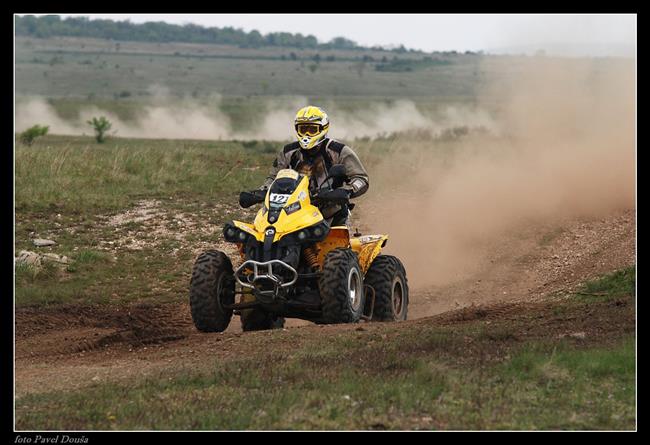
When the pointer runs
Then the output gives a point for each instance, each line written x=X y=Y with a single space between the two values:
x=260 y=275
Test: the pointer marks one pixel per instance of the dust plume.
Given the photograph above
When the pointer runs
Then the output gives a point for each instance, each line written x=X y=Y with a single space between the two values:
x=168 y=117
x=162 y=118
x=566 y=149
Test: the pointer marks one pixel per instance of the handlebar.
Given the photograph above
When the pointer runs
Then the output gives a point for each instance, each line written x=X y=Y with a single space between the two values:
x=339 y=196
x=247 y=199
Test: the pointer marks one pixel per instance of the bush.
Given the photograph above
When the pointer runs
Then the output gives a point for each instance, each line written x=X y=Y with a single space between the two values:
x=101 y=126
x=28 y=136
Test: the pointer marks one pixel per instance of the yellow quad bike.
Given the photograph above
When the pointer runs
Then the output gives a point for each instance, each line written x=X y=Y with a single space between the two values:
x=295 y=265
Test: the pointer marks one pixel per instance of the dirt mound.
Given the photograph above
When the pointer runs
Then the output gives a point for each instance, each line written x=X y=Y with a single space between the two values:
x=595 y=322
x=73 y=329
x=536 y=261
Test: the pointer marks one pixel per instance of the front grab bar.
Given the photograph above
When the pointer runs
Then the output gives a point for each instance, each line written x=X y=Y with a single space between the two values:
x=269 y=275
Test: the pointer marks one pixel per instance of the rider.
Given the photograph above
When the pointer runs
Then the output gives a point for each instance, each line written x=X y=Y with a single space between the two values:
x=313 y=154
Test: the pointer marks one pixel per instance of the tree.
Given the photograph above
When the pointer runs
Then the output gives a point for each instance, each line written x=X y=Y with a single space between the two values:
x=28 y=136
x=101 y=126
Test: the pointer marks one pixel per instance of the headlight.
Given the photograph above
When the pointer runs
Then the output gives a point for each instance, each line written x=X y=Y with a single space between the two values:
x=319 y=231
x=234 y=234
x=230 y=233
x=311 y=234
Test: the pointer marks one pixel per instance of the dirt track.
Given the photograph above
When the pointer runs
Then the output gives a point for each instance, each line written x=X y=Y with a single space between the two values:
x=71 y=347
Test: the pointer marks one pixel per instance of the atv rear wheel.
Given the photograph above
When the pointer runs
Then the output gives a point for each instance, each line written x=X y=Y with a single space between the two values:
x=341 y=287
x=212 y=286
x=387 y=277
x=258 y=320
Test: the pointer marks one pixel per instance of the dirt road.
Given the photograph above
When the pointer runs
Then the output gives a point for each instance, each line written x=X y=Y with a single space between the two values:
x=72 y=346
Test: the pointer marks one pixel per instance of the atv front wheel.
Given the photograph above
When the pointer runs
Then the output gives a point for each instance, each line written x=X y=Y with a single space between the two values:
x=341 y=287
x=258 y=320
x=212 y=286
x=387 y=277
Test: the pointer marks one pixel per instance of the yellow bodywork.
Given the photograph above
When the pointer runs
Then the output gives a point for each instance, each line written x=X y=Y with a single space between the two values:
x=367 y=247
x=308 y=215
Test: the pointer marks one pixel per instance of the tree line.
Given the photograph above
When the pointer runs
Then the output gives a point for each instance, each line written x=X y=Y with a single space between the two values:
x=53 y=25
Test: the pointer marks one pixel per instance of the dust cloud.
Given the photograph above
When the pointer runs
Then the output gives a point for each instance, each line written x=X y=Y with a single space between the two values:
x=566 y=148
x=559 y=143
x=166 y=117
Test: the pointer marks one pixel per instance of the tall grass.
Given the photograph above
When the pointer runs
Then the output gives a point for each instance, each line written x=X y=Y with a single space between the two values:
x=74 y=174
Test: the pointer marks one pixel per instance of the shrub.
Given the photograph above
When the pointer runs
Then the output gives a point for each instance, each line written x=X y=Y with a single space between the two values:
x=28 y=136
x=101 y=126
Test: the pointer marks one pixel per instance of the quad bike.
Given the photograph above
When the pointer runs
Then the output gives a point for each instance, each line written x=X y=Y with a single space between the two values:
x=295 y=265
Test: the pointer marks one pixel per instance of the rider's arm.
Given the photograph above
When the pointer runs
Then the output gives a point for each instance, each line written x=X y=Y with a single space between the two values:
x=280 y=162
x=358 y=180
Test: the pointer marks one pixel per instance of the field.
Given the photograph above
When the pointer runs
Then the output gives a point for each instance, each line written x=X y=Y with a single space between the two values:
x=84 y=68
x=521 y=316
x=132 y=228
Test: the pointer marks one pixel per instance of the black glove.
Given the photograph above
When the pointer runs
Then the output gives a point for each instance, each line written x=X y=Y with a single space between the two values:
x=247 y=199
x=339 y=194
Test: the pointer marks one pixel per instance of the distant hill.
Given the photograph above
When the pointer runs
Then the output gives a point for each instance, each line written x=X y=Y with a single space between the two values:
x=53 y=25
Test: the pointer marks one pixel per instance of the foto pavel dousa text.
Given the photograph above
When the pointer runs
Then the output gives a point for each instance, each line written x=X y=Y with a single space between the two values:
x=58 y=439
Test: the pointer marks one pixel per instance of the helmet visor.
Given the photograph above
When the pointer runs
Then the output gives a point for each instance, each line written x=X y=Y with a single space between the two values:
x=308 y=129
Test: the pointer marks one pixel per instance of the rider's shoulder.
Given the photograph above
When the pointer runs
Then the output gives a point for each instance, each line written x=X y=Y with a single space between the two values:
x=291 y=147
x=335 y=145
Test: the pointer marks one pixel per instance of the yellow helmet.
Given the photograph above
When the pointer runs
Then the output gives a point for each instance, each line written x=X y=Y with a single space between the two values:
x=311 y=126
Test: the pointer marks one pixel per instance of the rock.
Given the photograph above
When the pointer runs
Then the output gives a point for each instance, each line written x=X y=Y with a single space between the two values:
x=39 y=242
x=35 y=259
x=56 y=258
x=29 y=258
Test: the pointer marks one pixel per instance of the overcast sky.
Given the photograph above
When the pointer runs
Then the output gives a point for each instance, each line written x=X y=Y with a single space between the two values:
x=600 y=34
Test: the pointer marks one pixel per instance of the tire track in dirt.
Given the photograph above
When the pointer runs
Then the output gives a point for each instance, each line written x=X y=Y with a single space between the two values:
x=69 y=346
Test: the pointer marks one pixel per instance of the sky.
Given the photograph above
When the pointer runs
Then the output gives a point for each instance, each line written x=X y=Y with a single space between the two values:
x=560 y=34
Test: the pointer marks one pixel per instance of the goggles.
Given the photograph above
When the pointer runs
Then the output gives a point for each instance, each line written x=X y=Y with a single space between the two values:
x=308 y=129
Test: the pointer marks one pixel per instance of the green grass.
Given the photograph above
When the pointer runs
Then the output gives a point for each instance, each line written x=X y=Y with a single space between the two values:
x=96 y=278
x=73 y=174
x=507 y=374
x=67 y=187
x=615 y=285
x=535 y=388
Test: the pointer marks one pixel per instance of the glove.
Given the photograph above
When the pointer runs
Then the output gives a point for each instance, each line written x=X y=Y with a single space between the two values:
x=339 y=194
x=247 y=199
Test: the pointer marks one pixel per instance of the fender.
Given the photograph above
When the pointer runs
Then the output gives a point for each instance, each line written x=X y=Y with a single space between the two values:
x=250 y=228
x=367 y=248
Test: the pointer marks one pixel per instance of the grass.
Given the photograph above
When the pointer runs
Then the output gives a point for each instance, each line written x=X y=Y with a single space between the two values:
x=512 y=373
x=96 y=278
x=535 y=388
x=244 y=73
x=68 y=188
x=73 y=174
x=613 y=286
